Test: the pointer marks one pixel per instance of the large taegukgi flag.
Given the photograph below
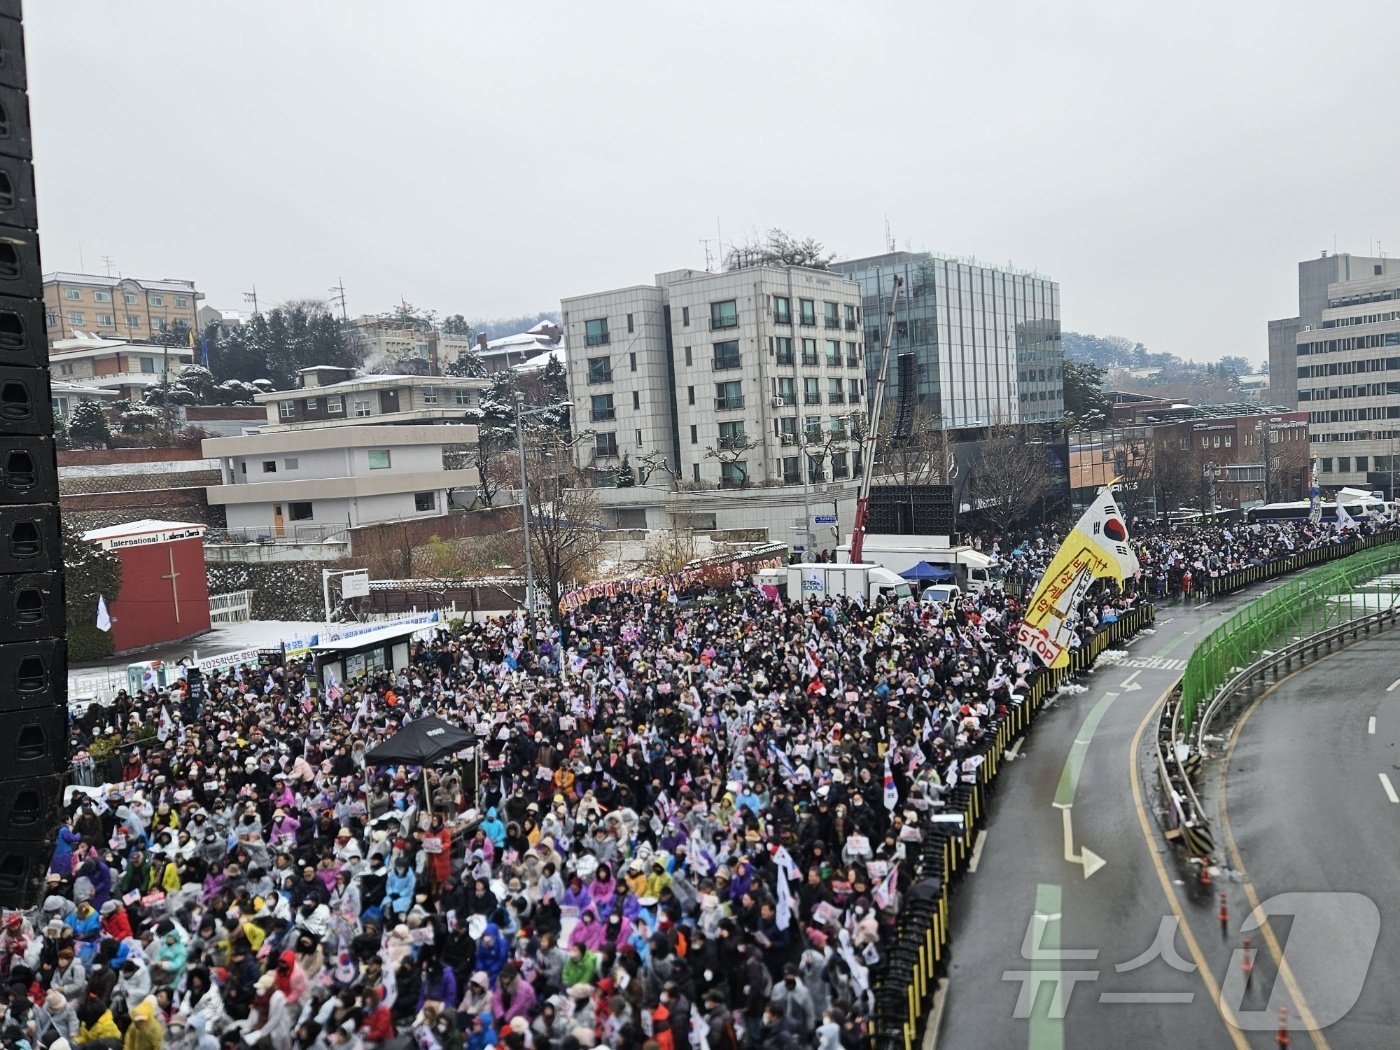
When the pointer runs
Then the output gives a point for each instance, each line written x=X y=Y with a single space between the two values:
x=1096 y=548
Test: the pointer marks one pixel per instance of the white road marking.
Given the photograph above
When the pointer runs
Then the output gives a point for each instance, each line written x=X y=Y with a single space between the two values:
x=1371 y=726
x=1393 y=686
x=1389 y=789
x=1014 y=751
x=977 y=845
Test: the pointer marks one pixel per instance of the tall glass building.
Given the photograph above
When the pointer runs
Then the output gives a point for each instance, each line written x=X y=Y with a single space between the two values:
x=973 y=346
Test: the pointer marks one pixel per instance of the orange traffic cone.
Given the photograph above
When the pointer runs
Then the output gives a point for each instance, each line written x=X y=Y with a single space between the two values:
x=1247 y=963
x=1205 y=871
x=1224 y=916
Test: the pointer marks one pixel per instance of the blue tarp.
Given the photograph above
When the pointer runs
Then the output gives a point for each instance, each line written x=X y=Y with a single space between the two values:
x=925 y=571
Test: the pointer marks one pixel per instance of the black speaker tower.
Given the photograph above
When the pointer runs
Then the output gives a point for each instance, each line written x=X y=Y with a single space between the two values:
x=33 y=665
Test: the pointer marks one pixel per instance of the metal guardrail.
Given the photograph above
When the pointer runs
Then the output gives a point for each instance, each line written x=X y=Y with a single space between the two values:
x=1299 y=650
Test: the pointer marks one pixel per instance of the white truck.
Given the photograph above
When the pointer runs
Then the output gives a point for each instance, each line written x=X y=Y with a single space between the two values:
x=972 y=570
x=826 y=579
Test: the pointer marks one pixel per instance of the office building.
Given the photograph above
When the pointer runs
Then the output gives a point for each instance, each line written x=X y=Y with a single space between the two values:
x=116 y=307
x=391 y=338
x=973 y=346
x=719 y=373
x=1342 y=366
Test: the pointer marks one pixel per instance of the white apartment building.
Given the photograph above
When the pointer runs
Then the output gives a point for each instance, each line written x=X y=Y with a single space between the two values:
x=1345 y=358
x=316 y=483
x=388 y=339
x=328 y=396
x=722 y=375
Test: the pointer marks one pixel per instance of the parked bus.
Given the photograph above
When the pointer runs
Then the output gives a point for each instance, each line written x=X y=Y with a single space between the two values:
x=1358 y=505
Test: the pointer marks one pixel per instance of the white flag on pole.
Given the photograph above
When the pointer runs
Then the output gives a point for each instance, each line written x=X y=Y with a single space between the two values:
x=166 y=724
x=104 y=619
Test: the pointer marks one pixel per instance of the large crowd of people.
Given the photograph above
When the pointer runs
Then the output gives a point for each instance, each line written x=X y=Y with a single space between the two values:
x=688 y=823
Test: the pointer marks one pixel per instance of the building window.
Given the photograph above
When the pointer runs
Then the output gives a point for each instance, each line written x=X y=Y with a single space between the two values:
x=102 y=297
x=727 y=355
x=74 y=317
x=732 y=475
x=291 y=463
x=596 y=332
x=811 y=391
x=729 y=396
x=129 y=298
x=840 y=467
x=831 y=313
x=72 y=294
x=695 y=471
x=462 y=397
x=379 y=459
x=809 y=353
x=132 y=321
x=181 y=303
x=600 y=370
x=630 y=329
x=286 y=409
x=105 y=320
x=269 y=466
x=685 y=316
x=782 y=309
x=639 y=438
x=792 y=473
x=52 y=317
x=834 y=392
x=147 y=365
x=1343 y=464
x=65 y=369
x=690 y=395
x=688 y=360
x=787 y=391
x=424 y=501
x=852 y=358
x=632 y=361
x=605 y=445
x=1361 y=464
x=1229 y=438
x=430 y=395
x=694 y=434
x=157 y=300
x=851 y=321
x=784 y=344
x=731 y=434
x=833 y=353
x=812 y=427
x=335 y=404
x=807 y=311
x=602 y=408
x=299 y=511
x=724 y=314
x=1327 y=466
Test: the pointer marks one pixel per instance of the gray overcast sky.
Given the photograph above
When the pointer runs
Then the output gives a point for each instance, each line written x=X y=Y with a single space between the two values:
x=1167 y=164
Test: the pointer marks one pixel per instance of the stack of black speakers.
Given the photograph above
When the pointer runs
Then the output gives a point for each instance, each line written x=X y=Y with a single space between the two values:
x=33 y=671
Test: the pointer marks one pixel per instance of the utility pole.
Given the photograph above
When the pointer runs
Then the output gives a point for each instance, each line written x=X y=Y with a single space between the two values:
x=339 y=297
x=807 y=540
x=252 y=297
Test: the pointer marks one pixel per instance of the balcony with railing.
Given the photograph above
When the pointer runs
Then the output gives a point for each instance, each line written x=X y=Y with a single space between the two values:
x=852 y=361
x=809 y=360
x=833 y=361
x=812 y=397
x=833 y=323
x=729 y=404
x=850 y=326
x=734 y=442
x=596 y=339
x=598 y=375
x=719 y=324
x=808 y=320
x=604 y=415
x=786 y=359
x=727 y=364
x=836 y=397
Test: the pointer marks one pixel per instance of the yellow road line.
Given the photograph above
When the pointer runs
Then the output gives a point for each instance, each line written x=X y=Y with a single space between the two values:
x=1237 y=862
x=1207 y=978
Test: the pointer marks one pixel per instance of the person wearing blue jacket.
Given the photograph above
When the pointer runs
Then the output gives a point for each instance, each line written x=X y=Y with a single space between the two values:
x=399 y=888
x=492 y=952
x=494 y=829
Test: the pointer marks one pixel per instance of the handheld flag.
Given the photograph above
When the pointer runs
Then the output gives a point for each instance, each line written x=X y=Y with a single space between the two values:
x=104 y=619
x=1344 y=518
x=1096 y=548
x=891 y=792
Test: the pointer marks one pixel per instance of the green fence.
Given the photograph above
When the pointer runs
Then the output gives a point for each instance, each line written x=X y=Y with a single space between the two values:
x=1303 y=606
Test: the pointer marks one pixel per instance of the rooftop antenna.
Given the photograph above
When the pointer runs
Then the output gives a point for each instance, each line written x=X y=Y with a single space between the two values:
x=107 y=261
x=252 y=297
x=889 y=236
x=719 y=235
x=705 y=242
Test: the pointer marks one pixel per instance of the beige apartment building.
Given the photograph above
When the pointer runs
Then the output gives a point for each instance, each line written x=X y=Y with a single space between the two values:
x=116 y=307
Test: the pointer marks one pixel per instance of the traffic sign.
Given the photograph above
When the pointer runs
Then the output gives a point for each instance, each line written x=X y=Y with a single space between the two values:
x=824 y=519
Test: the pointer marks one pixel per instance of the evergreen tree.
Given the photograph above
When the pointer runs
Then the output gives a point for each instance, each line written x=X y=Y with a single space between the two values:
x=89 y=573
x=87 y=427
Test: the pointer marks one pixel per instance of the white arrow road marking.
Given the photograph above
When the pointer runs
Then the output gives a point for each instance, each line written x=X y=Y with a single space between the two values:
x=977 y=845
x=1086 y=857
x=1371 y=726
x=1128 y=684
x=1393 y=686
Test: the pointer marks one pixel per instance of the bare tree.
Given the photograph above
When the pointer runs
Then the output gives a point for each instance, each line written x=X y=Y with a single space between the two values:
x=565 y=529
x=922 y=454
x=779 y=248
x=730 y=452
x=1009 y=476
x=1133 y=466
x=1175 y=474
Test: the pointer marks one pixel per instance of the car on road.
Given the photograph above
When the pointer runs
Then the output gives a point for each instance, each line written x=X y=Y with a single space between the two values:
x=940 y=594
